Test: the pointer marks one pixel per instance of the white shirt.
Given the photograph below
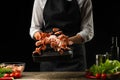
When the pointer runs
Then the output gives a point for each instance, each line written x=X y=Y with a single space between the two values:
x=87 y=31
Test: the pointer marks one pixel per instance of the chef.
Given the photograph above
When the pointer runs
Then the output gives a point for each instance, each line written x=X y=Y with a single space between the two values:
x=75 y=19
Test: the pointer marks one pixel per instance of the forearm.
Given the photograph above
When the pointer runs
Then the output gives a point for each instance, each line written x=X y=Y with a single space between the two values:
x=87 y=26
x=37 y=18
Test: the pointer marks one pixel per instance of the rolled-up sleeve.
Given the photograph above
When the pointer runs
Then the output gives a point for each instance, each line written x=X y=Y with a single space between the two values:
x=87 y=26
x=37 y=18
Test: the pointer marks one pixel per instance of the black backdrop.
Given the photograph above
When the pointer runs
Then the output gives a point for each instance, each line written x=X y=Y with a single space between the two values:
x=16 y=44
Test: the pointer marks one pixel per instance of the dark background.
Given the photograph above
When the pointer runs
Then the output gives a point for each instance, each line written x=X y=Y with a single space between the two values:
x=17 y=45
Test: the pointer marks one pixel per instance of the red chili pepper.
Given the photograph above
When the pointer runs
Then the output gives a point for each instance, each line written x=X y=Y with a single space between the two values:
x=90 y=76
x=6 y=78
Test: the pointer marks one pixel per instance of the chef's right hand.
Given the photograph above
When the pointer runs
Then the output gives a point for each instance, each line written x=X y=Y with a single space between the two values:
x=37 y=35
x=77 y=39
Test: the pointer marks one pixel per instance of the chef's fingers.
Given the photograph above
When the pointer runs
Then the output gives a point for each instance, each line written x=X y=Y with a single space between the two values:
x=37 y=36
x=77 y=39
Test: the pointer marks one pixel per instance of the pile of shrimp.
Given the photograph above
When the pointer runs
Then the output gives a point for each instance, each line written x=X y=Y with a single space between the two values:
x=56 y=39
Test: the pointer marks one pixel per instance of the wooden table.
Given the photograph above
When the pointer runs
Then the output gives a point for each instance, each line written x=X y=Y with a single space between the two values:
x=53 y=76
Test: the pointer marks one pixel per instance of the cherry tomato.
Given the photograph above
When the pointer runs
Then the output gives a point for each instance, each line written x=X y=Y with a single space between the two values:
x=98 y=75
x=12 y=75
x=103 y=76
x=17 y=74
x=6 y=75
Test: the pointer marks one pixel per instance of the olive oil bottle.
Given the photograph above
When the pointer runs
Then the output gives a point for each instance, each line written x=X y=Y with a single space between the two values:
x=114 y=50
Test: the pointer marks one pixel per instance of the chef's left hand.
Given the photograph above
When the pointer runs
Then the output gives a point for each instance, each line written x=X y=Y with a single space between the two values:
x=77 y=39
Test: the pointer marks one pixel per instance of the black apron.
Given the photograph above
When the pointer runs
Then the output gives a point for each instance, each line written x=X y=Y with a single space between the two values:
x=64 y=14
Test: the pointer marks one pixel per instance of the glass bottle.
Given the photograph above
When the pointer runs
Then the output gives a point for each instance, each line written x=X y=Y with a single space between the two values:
x=114 y=49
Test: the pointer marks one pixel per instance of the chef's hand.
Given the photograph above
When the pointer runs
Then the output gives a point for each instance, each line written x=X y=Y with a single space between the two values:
x=37 y=35
x=77 y=39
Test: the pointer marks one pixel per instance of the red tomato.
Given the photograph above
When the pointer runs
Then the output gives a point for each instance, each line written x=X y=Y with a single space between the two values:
x=12 y=75
x=6 y=75
x=17 y=74
x=103 y=76
x=98 y=75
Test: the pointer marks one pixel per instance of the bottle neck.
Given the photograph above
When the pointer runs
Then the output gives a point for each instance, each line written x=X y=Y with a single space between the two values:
x=114 y=41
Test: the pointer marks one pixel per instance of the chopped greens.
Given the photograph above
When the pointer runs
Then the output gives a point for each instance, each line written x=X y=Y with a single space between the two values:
x=108 y=67
x=5 y=70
